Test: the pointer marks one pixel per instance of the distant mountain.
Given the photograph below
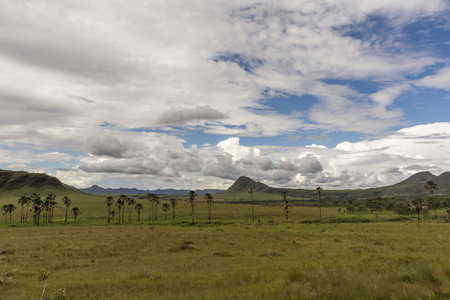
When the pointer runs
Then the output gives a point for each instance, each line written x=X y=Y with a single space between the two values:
x=17 y=183
x=413 y=186
x=95 y=189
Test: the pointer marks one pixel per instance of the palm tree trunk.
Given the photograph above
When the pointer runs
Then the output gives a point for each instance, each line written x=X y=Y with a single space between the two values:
x=26 y=216
x=109 y=214
x=22 y=214
x=156 y=212
x=67 y=207
x=139 y=215
x=173 y=212
x=193 y=215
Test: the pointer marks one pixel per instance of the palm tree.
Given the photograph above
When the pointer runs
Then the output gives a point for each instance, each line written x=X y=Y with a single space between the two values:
x=209 y=200
x=28 y=201
x=251 y=191
x=37 y=205
x=192 y=203
x=319 y=193
x=75 y=212
x=10 y=209
x=109 y=201
x=48 y=205
x=138 y=208
x=67 y=202
x=165 y=208
x=5 y=208
x=156 y=200
x=173 y=202
x=431 y=186
x=150 y=198
x=120 y=203
x=286 y=204
x=52 y=205
x=417 y=206
x=123 y=198
x=130 y=202
x=22 y=201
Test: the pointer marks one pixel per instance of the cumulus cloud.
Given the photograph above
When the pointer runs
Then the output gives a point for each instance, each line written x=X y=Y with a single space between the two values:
x=182 y=116
x=104 y=145
x=310 y=164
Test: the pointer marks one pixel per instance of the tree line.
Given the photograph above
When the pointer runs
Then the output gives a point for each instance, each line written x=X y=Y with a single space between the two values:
x=40 y=209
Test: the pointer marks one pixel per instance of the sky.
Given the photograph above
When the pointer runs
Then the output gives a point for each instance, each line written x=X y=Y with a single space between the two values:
x=194 y=94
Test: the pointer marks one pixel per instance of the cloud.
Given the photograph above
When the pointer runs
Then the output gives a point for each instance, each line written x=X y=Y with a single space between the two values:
x=104 y=145
x=310 y=164
x=200 y=113
x=439 y=80
x=76 y=81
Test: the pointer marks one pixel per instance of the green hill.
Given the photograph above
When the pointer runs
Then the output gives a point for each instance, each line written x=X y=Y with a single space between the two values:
x=411 y=187
x=18 y=183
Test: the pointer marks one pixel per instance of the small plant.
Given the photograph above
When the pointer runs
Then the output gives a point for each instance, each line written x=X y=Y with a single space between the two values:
x=43 y=277
x=60 y=294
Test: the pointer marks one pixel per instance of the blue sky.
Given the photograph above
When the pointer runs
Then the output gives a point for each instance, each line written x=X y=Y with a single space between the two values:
x=175 y=94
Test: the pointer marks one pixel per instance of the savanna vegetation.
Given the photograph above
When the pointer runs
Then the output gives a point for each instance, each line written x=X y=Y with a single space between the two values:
x=253 y=249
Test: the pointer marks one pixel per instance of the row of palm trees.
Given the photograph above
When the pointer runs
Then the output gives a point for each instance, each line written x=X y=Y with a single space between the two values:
x=154 y=201
x=39 y=207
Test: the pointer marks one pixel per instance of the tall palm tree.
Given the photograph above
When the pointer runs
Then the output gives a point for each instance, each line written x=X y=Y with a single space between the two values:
x=431 y=186
x=192 y=203
x=36 y=207
x=138 y=208
x=22 y=201
x=52 y=205
x=173 y=202
x=76 y=212
x=123 y=198
x=28 y=201
x=318 y=191
x=120 y=203
x=10 y=209
x=150 y=198
x=209 y=200
x=130 y=202
x=251 y=191
x=47 y=207
x=109 y=201
x=165 y=208
x=417 y=206
x=156 y=200
x=5 y=208
x=67 y=203
x=286 y=204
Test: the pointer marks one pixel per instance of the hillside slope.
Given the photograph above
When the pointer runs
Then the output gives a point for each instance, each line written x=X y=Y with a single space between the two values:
x=411 y=187
x=18 y=183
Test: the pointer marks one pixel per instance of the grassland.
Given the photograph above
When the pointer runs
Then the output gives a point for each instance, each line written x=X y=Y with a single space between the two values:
x=232 y=258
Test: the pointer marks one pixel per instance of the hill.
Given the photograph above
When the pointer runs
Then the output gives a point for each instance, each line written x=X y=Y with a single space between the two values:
x=411 y=187
x=18 y=183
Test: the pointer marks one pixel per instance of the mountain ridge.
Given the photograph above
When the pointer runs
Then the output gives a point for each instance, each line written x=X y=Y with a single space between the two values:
x=412 y=186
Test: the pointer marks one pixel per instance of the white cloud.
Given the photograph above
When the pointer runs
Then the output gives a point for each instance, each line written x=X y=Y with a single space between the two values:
x=440 y=80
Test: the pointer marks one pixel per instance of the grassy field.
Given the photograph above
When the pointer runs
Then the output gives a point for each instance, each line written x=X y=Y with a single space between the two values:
x=232 y=258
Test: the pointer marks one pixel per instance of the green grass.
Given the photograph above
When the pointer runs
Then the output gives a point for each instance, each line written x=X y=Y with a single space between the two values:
x=342 y=256
x=244 y=261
